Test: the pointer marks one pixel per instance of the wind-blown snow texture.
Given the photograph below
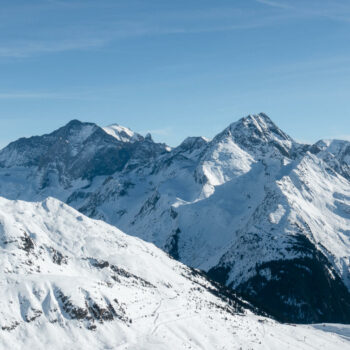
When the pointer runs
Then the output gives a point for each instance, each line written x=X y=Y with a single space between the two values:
x=70 y=282
x=263 y=214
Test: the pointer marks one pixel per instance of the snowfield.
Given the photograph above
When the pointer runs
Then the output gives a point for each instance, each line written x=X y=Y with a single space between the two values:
x=70 y=282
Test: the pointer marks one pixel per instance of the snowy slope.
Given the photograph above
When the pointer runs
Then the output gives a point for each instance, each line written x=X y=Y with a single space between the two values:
x=69 y=282
x=300 y=235
x=336 y=153
x=253 y=207
x=121 y=133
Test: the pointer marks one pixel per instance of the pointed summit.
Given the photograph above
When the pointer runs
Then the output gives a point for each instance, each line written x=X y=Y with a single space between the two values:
x=74 y=132
x=259 y=126
x=149 y=137
x=258 y=134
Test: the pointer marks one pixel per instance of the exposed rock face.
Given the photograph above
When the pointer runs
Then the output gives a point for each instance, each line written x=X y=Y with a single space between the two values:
x=286 y=288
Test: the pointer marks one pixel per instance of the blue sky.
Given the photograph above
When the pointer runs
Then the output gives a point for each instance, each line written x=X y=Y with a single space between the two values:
x=175 y=68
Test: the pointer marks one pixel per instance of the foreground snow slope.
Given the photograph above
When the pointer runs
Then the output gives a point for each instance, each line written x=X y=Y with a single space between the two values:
x=260 y=212
x=70 y=282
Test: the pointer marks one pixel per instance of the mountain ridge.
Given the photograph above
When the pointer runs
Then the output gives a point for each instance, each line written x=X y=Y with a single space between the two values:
x=233 y=206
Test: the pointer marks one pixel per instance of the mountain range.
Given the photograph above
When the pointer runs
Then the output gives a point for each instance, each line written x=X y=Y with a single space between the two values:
x=258 y=212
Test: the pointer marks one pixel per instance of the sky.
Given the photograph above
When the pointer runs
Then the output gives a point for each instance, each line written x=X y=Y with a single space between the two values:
x=175 y=68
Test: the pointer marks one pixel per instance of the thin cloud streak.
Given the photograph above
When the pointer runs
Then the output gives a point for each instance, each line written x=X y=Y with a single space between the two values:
x=333 y=10
x=26 y=49
x=33 y=95
x=274 y=4
x=100 y=34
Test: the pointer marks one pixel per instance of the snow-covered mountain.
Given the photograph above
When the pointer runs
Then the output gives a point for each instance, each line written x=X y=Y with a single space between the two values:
x=258 y=211
x=70 y=282
x=78 y=152
x=121 y=133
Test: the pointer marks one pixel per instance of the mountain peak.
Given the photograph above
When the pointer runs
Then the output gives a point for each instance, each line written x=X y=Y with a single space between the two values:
x=75 y=131
x=258 y=134
x=260 y=126
x=74 y=122
x=260 y=118
x=122 y=133
x=149 y=137
x=193 y=143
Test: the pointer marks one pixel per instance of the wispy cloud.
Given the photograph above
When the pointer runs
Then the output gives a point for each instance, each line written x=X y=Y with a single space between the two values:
x=88 y=25
x=337 y=10
x=274 y=4
x=30 y=48
x=33 y=48
x=33 y=95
